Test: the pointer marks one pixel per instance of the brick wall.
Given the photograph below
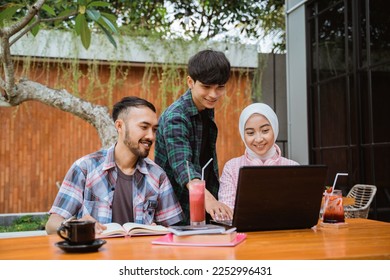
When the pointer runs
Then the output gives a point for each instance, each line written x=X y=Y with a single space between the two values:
x=38 y=143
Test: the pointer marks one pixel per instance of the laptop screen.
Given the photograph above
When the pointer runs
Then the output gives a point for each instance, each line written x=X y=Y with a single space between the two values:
x=278 y=197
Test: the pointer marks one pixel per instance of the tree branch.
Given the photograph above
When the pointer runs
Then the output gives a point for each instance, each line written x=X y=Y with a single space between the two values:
x=32 y=11
x=38 y=21
x=9 y=74
x=5 y=48
x=96 y=115
x=3 y=101
x=2 y=83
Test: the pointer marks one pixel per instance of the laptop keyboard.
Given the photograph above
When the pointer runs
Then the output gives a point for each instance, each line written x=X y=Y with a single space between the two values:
x=228 y=223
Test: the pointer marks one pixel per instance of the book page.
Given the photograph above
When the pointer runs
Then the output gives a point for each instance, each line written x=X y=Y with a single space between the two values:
x=141 y=229
x=113 y=229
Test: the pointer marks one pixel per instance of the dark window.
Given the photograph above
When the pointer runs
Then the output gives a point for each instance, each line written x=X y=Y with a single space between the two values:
x=349 y=92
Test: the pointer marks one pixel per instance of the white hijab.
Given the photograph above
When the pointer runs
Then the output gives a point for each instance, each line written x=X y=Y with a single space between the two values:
x=266 y=111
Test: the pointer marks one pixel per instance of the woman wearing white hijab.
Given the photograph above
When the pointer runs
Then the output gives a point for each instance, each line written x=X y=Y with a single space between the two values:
x=259 y=128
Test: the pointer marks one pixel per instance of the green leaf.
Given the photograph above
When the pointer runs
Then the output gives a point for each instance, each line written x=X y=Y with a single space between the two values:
x=48 y=10
x=110 y=17
x=34 y=31
x=82 y=29
x=93 y=14
x=63 y=14
x=9 y=13
x=106 y=22
x=78 y=24
x=98 y=4
x=82 y=2
x=108 y=34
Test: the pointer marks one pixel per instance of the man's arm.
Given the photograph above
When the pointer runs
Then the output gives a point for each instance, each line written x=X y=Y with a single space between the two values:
x=53 y=223
x=175 y=131
x=169 y=210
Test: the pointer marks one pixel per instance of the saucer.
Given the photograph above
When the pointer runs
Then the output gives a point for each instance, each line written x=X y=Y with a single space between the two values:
x=64 y=245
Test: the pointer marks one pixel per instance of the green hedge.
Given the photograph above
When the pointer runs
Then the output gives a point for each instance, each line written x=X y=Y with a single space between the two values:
x=26 y=223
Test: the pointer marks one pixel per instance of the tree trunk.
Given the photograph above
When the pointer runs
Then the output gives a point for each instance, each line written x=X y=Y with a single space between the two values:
x=96 y=115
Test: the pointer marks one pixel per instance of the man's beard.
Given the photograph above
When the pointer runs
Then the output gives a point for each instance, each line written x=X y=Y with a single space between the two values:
x=134 y=147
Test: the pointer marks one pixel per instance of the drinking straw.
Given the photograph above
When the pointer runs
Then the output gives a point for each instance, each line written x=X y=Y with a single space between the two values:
x=335 y=179
x=188 y=171
x=205 y=167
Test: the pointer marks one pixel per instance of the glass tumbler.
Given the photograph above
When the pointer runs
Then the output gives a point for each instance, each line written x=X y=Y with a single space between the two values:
x=197 y=203
x=333 y=208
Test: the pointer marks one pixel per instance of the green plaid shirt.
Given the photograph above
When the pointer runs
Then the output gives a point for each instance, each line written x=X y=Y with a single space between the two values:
x=179 y=139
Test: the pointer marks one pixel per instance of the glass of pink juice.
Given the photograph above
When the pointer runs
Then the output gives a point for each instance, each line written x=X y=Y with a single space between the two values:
x=334 y=209
x=197 y=201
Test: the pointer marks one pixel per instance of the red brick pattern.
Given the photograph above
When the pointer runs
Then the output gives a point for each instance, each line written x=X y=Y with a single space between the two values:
x=38 y=143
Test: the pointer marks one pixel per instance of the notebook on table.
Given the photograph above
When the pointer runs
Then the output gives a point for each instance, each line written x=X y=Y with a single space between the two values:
x=169 y=239
x=278 y=197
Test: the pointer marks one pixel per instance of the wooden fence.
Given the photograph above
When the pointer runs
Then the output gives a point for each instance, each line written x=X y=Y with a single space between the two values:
x=38 y=143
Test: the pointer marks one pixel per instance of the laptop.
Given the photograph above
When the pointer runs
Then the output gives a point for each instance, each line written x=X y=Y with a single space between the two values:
x=278 y=197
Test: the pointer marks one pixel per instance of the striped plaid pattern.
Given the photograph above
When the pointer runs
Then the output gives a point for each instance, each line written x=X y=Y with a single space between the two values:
x=89 y=185
x=178 y=140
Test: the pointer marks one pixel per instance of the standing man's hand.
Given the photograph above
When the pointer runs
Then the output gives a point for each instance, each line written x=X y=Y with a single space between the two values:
x=216 y=209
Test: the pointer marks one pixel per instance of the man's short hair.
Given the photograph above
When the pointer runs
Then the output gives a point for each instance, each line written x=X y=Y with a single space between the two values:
x=209 y=67
x=130 y=101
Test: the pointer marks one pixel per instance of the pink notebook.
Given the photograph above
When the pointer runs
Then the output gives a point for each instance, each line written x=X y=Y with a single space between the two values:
x=168 y=240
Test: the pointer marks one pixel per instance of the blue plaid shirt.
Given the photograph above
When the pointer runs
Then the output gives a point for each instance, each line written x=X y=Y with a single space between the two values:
x=179 y=139
x=88 y=189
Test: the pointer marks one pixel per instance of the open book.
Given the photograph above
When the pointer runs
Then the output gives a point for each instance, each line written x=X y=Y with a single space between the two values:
x=129 y=229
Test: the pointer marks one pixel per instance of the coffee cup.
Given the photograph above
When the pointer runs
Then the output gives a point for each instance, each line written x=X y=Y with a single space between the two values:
x=77 y=232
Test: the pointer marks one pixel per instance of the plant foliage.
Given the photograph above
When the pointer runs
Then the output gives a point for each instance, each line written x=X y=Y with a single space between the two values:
x=82 y=15
x=26 y=223
x=190 y=19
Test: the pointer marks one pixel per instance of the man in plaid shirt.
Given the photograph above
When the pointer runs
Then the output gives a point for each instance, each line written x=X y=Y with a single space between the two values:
x=187 y=132
x=119 y=184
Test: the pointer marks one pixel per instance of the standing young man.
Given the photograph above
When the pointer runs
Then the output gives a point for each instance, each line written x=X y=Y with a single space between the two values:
x=119 y=184
x=187 y=132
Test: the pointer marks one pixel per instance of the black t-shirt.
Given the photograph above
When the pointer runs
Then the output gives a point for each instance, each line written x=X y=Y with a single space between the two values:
x=122 y=203
x=205 y=152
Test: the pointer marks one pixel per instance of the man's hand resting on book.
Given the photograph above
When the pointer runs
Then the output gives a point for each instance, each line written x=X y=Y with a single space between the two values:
x=98 y=226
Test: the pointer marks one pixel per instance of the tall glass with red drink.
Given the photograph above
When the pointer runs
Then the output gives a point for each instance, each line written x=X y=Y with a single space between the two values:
x=334 y=209
x=197 y=202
